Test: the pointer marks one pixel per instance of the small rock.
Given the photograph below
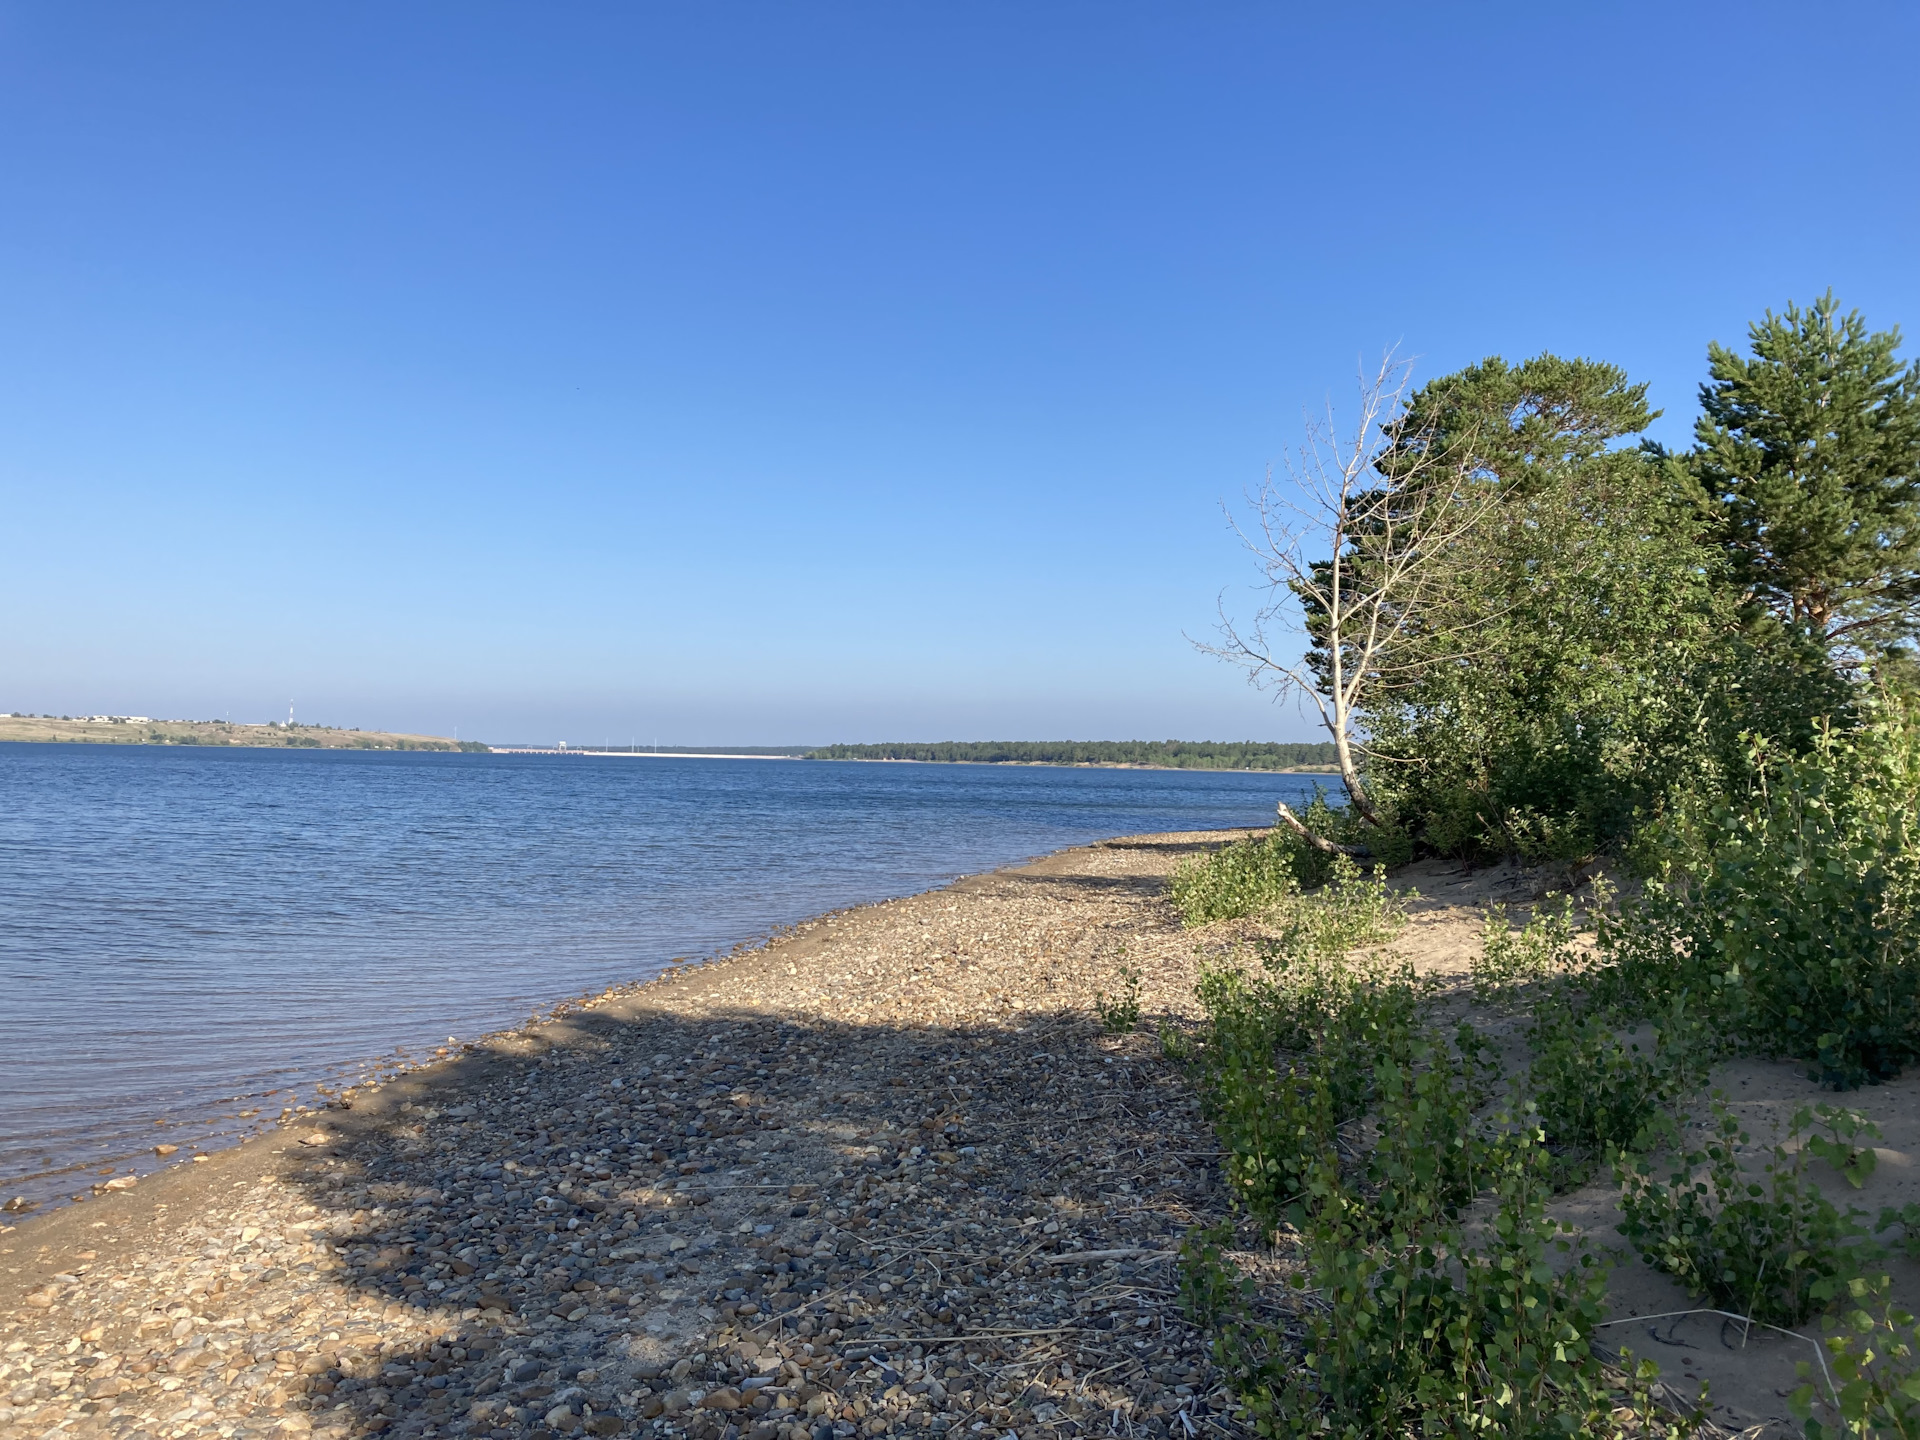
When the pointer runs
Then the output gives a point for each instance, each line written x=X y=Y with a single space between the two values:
x=725 y=1398
x=165 y=1150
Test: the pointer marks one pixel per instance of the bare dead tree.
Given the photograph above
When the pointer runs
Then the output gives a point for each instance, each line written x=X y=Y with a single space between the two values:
x=1359 y=541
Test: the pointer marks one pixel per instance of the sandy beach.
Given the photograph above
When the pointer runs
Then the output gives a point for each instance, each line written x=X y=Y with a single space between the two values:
x=886 y=1174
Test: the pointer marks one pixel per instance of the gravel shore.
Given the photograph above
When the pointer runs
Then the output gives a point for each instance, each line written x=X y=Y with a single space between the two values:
x=885 y=1174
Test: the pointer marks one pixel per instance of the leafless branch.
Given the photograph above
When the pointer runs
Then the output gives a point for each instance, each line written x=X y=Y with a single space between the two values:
x=1359 y=545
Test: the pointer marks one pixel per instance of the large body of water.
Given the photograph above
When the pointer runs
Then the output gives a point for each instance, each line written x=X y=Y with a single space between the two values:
x=187 y=935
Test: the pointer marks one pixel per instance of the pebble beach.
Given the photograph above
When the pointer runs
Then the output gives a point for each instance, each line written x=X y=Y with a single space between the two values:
x=885 y=1174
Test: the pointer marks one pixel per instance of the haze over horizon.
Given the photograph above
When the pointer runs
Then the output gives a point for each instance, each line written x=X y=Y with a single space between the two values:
x=720 y=376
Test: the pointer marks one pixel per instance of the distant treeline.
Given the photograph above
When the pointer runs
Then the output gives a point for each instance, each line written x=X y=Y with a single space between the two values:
x=1176 y=754
x=796 y=751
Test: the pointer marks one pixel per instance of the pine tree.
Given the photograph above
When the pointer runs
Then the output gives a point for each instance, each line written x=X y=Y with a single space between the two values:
x=1809 y=456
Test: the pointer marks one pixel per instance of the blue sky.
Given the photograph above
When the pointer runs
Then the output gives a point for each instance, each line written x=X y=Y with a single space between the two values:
x=732 y=373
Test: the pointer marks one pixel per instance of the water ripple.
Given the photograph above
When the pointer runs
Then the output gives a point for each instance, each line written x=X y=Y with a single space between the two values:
x=189 y=934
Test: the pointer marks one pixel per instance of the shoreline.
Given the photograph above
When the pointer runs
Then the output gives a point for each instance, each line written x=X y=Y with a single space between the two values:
x=220 y=735
x=387 y=1071
x=215 y=735
x=884 y=1173
x=874 y=760
x=845 y=1081
x=360 y=1075
x=436 y=744
x=1094 y=765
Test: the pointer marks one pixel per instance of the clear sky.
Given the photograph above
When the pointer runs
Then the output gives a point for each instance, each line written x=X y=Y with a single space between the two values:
x=763 y=373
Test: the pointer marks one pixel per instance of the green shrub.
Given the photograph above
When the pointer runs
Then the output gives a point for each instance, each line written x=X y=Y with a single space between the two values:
x=1855 y=1163
x=1287 y=1053
x=1379 y=1347
x=1421 y=1324
x=1120 y=1014
x=1376 y=1021
x=1793 y=916
x=1876 y=1377
x=1253 y=875
x=1448 y=1333
x=1770 y=1246
x=1908 y=1218
x=1535 y=1296
x=1348 y=912
x=1597 y=1093
x=1429 y=1159
x=1236 y=880
x=1267 y=1115
x=1510 y=961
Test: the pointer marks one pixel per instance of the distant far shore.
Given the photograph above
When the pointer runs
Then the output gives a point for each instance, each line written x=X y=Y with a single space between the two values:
x=142 y=730
x=1094 y=765
x=625 y=753
x=1282 y=756
x=1267 y=757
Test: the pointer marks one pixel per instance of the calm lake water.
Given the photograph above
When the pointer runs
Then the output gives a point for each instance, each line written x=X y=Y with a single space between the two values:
x=186 y=935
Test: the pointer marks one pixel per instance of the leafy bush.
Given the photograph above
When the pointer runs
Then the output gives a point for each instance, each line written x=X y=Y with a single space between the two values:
x=1429 y=1158
x=1875 y=1373
x=1535 y=1296
x=1510 y=960
x=1794 y=915
x=1287 y=1053
x=1376 y=1021
x=1349 y=911
x=1907 y=1217
x=1421 y=1324
x=1236 y=880
x=1250 y=876
x=1856 y=1163
x=1266 y=1114
x=1597 y=1093
x=1444 y=1332
x=1120 y=1014
x=1769 y=1246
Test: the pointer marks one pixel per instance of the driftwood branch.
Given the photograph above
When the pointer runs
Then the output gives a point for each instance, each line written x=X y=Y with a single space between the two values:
x=1320 y=842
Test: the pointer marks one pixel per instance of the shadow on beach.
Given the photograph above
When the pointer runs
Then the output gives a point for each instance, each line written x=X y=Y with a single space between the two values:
x=884 y=1175
x=742 y=1225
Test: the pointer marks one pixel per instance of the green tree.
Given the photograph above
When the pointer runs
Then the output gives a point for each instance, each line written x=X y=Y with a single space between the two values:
x=1556 y=688
x=1808 y=453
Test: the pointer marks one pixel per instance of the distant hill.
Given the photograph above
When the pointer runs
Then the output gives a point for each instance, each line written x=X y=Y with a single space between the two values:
x=139 y=730
x=1168 y=754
